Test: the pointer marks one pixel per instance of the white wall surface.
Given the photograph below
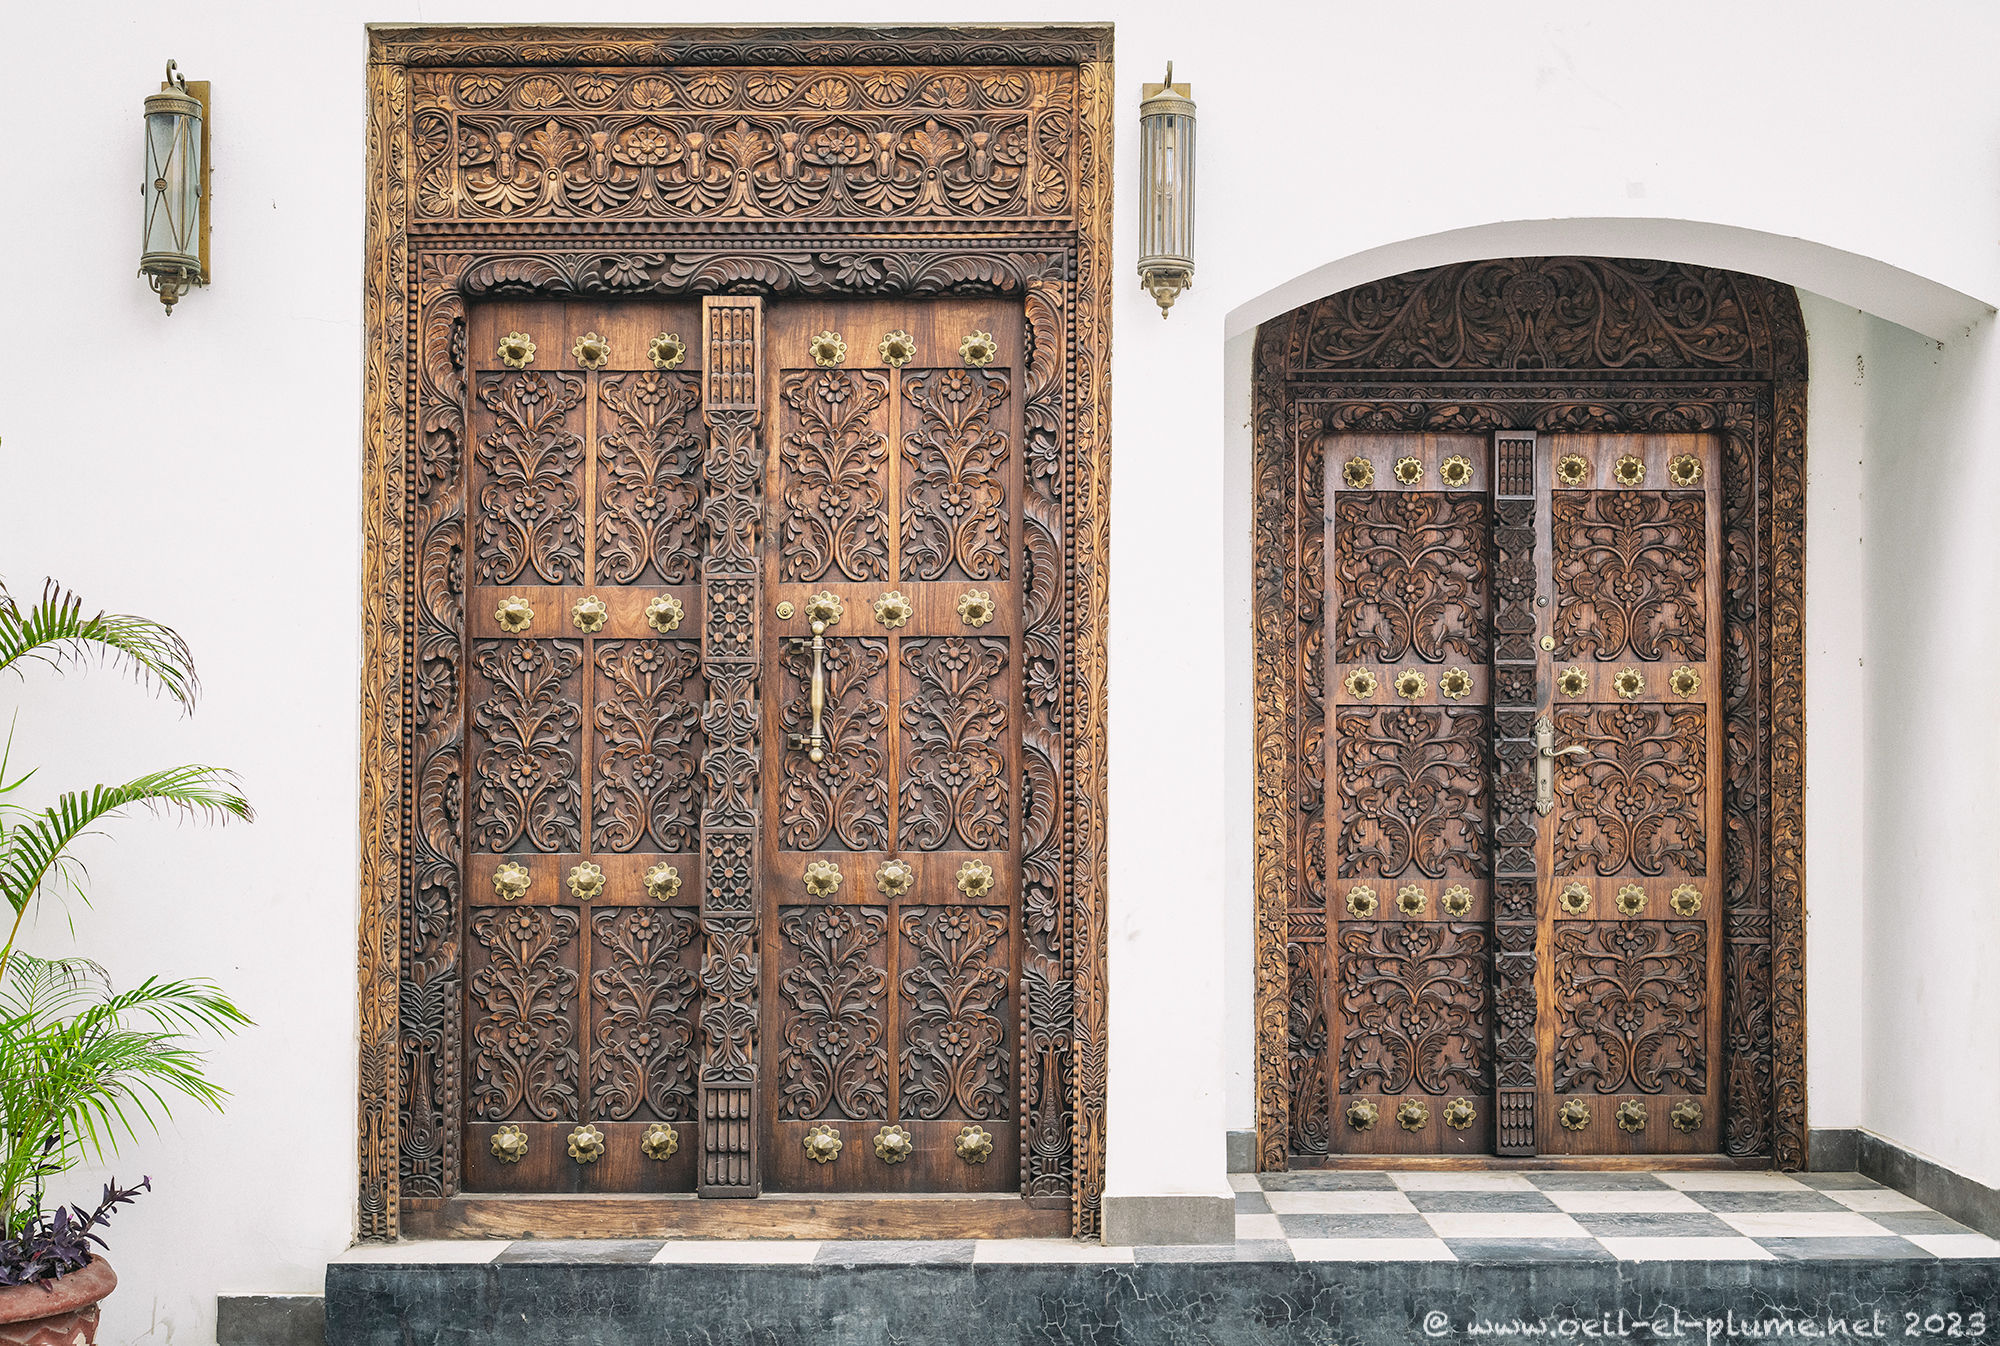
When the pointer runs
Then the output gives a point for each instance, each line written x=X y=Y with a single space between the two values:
x=204 y=470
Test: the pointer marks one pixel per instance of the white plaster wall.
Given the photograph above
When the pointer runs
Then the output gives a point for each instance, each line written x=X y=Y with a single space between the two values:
x=204 y=470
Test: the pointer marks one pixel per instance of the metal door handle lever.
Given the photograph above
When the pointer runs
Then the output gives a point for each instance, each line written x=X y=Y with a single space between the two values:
x=1546 y=753
x=815 y=742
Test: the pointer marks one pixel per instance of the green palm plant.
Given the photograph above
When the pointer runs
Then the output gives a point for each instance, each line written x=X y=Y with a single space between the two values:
x=82 y=1065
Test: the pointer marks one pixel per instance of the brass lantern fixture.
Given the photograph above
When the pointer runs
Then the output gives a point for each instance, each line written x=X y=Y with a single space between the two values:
x=1166 y=205
x=173 y=193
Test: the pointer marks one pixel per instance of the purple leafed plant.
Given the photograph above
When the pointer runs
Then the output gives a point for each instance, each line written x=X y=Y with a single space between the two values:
x=55 y=1245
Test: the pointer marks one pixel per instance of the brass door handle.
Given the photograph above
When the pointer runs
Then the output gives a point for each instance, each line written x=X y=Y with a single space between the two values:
x=1546 y=753
x=823 y=610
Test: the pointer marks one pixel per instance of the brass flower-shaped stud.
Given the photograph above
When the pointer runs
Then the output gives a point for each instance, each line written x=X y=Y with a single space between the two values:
x=894 y=878
x=1460 y=1114
x=586 y=1144
x=1685 y=900
x=510 y=1144
x=591 y=351
x=1455 y=470
x=978 y=349
x=663 y=882
x=664 y=613
x=975 y=878
x=822 y=1144
x=516 y=351
x=826 y=608
x=660 y=1143
x=1360 y=684
x=1410 y=900
x=1686 y=1116
x=1684 y=470
x=1572 y=469
x=667 y=350
x=975 y=607
x=589 y=614
x=897 y=348
x=1409 y=471
x=1358 y=473
x=893 y=1145
x=586 y=880
x=1454 y=683
x=1574 y=1114
x=974 y=1144
x=893 y=610
x=1362 y=1114
x=1684 y=681
x=1628 y=683
x=1413 y=1115
x=1361 y=901
x=822 y=878
x=510 y=882
x=827 y=349
x=1631 y=899
x=1631 y=1116
x=1572 y=681
x=1574 y=898
x=1410 y=684
x=514 y=615
x=1629 y=470
x=1457 y=900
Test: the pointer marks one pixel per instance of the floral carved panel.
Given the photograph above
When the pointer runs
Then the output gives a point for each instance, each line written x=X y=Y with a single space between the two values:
x=1632 y=1007
x=841 y=803
x=528 y=478
x=955 y=460
x=835 y=480
x=954 y=754
x=650 y=448
x=1413 y=1008
x=647 y=748
x=523 y=1008
x=1635 y=802
x=1630 y=578
x=833 y=1060
x=643 y=998
x=1306 y=1050
x=1412 y=787
x=1410 y=568
x=954 y=1012
x=527 y=789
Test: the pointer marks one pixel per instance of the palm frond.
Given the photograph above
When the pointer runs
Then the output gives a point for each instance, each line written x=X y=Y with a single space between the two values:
x=56 y=631
x=33 y=848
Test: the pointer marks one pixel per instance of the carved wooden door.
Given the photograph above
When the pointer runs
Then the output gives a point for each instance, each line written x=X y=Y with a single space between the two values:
x=892 y=872
x=1521 y=662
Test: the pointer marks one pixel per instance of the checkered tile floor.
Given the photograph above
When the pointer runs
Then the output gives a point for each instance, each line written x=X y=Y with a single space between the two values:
x=1571 y=1216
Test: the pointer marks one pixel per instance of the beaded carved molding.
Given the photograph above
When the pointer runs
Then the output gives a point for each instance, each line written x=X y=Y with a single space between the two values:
x=551 y=161
x=1571 y=344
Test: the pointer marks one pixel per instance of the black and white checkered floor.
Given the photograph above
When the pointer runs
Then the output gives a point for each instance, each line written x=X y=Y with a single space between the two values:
x=1571 y=1216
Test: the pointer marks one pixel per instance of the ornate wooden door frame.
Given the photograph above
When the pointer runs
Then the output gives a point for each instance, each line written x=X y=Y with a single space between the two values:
x=495 y=167
x=1552 y=345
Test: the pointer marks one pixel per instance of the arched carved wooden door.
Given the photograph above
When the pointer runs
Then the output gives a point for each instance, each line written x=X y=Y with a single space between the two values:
x=1527 y=684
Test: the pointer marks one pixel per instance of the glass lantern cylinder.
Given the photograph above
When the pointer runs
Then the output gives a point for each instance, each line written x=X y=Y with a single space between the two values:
x=1166 y=207
x=171 y=193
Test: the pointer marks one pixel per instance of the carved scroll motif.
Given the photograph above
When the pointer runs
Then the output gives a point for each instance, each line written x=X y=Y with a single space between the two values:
x=649 y=455
x=834 y=1062
x=643 y=999
x=954 y=1012
x=954 y=715
x=524 y=1011
x=954 y=517
x=1413 y=791
x=526 y=723
x=1411 y=571
x=529 y=479
x=1413 y=1003
x=1631 y=1007
x=1636 y=803
x=1630 y=578
x=834 y=476
x=648 y=745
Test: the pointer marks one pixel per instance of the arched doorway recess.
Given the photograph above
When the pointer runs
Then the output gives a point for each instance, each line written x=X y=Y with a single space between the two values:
x=1454 y=956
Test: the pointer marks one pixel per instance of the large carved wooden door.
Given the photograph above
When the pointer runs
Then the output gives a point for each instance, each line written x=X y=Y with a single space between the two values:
x=745 y=793
x=1520 y=654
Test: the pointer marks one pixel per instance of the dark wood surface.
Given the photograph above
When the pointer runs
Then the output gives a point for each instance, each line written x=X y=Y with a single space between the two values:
x=791 y=1217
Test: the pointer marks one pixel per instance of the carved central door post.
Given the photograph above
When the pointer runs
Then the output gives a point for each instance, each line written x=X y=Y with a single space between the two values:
x=1516 y=703
x=730 y=653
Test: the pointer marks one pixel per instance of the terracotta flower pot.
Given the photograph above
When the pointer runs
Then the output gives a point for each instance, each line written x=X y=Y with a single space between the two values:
x=61 y=1312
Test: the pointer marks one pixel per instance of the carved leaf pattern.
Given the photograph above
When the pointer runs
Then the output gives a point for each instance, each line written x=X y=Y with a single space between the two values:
x=525 y=729
x=643 y=1007
x=954 y=517
x=649 y=696
x=954 y=713
x=1632 y=1005
x=1305 y=1049
x=842 y=802
x=1630 y=577
x=1411 y=573
x=954 y=1025
x=835 y=475
x=649 y=460
x=530 y=479
x=1413 y=1008
x=1636 y=803
x=1413 y=791
x=523 y=994
x=834 y=1062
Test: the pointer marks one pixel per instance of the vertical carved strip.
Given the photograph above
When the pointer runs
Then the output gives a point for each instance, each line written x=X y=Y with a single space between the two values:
x=727 y=1163
x=1516 y=698
x=1786 y=940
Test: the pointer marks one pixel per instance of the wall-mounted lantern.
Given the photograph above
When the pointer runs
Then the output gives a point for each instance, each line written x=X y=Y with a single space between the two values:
x=1166 y=205
x=173 y=253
